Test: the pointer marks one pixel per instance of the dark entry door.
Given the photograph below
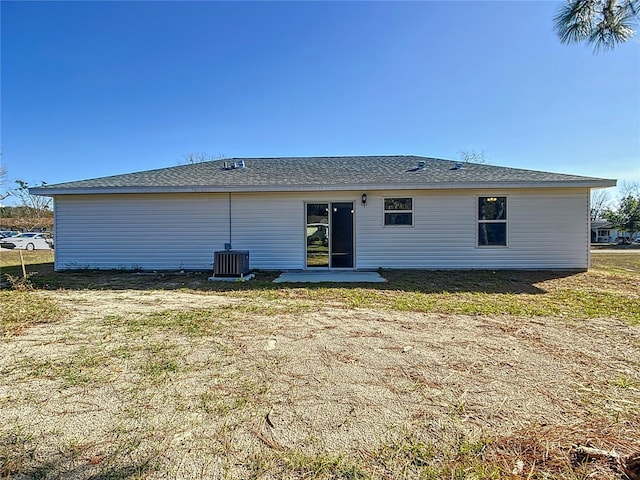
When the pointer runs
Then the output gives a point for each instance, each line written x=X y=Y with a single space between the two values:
x=342 y=235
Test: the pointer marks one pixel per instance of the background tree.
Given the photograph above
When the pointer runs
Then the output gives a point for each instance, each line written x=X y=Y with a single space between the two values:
x=200 y=157
x=601 y=23
x=599 y=203
x=472 y=156
x=630 y=188
x=4 y=193
x=33 y=211
x=627 y=216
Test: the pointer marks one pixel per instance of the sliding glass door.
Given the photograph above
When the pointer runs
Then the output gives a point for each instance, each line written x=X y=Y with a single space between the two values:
x=317 y=235
x=329 y=232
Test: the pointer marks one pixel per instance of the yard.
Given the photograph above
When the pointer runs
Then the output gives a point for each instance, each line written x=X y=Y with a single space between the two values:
x=493 y=374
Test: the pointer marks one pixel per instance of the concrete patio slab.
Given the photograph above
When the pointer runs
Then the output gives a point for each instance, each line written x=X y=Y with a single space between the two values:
x=245 y=278
x=336 y=277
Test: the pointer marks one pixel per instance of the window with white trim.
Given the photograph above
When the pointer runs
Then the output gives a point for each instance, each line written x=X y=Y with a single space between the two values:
x=398 y=211
x=492 y=221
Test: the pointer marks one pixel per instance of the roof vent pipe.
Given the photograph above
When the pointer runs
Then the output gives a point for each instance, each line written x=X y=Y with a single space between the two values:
x=240 y=163
x=421 y=164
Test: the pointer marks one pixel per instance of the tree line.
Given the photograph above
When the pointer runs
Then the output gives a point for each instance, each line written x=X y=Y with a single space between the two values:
x=32 y=211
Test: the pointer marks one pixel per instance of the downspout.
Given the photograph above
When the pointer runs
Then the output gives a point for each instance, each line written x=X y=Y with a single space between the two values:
x=589 y=229
x=55 y=234
x=229 y=244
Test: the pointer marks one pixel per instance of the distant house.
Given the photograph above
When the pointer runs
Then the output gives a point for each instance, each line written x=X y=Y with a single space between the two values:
x=326 y=213
x=603 y=232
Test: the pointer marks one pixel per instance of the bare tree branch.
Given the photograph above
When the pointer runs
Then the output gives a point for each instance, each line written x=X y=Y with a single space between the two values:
x=35 y=210
x=472 y=156
x=600 y=200
x=200 y=157
x=630 y=188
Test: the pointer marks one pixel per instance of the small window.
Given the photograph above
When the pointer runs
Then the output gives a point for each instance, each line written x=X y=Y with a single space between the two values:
x=492 y=221
x=398 y=211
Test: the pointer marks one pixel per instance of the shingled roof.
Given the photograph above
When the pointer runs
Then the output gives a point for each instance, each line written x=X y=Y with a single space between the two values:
x=321 y=173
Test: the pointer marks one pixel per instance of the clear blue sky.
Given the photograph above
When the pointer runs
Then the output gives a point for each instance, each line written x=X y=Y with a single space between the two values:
x=91 y=89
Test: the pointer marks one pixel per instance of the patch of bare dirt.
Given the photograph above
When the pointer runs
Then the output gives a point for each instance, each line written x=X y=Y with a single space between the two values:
x=326 y=379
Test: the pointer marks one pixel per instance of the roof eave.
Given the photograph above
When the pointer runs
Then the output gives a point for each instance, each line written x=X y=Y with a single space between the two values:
x=586 y=183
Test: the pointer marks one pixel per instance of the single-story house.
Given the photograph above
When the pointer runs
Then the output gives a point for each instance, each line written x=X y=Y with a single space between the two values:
x=362 y=212
x=602 y=231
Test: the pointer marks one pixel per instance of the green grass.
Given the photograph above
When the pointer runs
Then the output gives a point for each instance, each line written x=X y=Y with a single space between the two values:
x=160 y=368
x=196 y=322
x=407 y=457
x=624 y=263
x=36 y=259
x=94 y=365
x=161 y=361
x=153 y=350
x=322 y=466
x=85 y=366
x=564 y=303
x=16 y=449
x=610 y=289
x=20 y=458
x=23 y=309
x=626 y=381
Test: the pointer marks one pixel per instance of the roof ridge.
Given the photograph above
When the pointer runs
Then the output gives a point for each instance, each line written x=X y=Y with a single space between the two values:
x=291 y=157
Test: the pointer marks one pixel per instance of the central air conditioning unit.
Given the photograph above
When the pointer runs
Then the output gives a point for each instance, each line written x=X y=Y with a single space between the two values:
x=231 y=263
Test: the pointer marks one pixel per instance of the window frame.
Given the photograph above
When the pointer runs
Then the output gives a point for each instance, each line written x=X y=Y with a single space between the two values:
x=395 y=225
x=503 y=221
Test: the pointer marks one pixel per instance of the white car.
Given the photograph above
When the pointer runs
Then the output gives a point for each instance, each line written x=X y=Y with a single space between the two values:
x=28 y=241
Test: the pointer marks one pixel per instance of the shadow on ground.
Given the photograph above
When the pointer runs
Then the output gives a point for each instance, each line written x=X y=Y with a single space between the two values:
x=42 y=276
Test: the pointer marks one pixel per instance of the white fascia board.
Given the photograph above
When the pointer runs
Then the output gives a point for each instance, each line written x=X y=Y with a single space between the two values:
x=587 y=183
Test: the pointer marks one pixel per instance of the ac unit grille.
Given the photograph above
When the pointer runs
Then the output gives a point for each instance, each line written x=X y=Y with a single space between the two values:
x=231 y=263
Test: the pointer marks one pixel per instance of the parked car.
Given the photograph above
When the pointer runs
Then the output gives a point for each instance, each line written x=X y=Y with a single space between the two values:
x=623 y=240
x=8 y=233
x=28 y=241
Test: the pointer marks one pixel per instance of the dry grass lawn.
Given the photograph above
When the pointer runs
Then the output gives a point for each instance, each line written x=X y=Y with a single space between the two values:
x=194 y=380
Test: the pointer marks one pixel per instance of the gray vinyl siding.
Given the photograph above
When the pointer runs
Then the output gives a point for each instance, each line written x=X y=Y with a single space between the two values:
x=177 y=231
x=271 y=227
x=547 y=229
x=148 y=232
